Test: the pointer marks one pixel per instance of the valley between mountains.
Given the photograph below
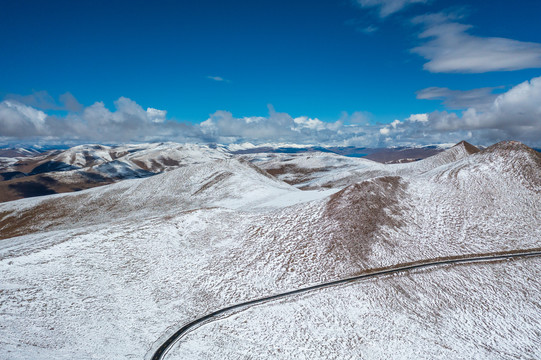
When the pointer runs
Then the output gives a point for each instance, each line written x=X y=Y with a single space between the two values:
x=175 y=232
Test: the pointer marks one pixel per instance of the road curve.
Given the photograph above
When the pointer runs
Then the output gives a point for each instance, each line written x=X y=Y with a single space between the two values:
x=164 y=348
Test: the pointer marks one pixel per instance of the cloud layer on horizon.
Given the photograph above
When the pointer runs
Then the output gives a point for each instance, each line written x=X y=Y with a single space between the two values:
x=129 y=122
x=515 y=115
x=485 y=118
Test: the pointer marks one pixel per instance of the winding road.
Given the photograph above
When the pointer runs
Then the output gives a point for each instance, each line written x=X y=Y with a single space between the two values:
x=164 y=348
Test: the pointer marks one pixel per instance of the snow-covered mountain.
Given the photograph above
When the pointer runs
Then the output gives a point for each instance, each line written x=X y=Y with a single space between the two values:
x=318 y=170
x=29 y=172
x=87 y=166
x=152 y=157
x=18 y=152
x=108 y=272
x=388 y=155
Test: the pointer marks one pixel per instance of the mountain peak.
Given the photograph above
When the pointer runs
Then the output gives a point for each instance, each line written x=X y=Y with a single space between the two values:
x=470 y=149
x=509 y=145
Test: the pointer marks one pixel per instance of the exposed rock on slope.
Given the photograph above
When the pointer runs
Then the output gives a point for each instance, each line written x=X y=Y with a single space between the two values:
x=356 y=213
x=469 y=203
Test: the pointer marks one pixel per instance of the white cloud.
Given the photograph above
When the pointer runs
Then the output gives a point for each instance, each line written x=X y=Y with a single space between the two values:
x=388 y=7
x=155 y=115
x=456 y=99
x=418 y=118
x=309 y=123
x=217 y=78
x=129 y=122
x=515 y=114
x=369 y=29
x=222 y=126
x=253 y=119
x=386 y=130
x=19 y=120
x=451 y=49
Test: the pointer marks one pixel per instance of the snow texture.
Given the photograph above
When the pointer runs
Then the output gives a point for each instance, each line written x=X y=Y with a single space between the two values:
x=475 y=311
x=108 y=272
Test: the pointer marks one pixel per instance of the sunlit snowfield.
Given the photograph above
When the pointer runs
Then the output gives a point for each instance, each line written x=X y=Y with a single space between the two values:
x=108 y=272
x=488 y=311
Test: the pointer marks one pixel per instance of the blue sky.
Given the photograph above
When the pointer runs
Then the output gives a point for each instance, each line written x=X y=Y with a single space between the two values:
x=336 y=72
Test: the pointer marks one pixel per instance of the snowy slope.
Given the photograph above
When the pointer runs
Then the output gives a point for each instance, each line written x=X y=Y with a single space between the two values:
x=139 y=159
x=107 y=272
x=314 y=169
x=226 y=183
x=10 y=156
x=87 y=166
x=325 y=170
x=478 y=311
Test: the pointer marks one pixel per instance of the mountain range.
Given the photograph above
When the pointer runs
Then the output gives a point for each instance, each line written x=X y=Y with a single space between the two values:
x=177 y=231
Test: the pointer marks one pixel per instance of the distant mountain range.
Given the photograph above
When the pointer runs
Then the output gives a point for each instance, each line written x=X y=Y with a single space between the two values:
x=28 y=172
x=384 y=155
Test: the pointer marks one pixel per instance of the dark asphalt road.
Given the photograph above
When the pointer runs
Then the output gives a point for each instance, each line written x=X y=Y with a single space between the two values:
x=162 y=350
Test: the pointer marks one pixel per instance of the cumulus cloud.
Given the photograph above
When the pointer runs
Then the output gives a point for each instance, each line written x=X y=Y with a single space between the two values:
x=388 y=7
x=309 y=123
x=386 y=130
x=515 y=114
x=418 y=118
x=128 y=122
x=480 y=99
x=449 y=48
x=20 y=121
x=222 y=126
x=155 y=115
